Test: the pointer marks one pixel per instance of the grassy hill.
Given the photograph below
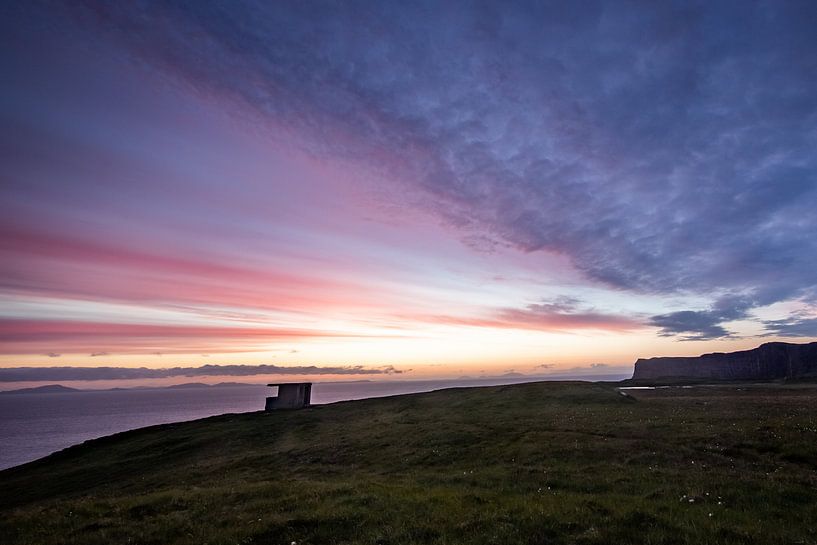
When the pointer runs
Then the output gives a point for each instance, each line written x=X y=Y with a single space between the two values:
x=543 y=463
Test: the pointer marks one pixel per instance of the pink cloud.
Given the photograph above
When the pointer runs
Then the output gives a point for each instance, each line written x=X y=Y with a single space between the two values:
x=541 y=317
x=29 y=337
x=39 y=263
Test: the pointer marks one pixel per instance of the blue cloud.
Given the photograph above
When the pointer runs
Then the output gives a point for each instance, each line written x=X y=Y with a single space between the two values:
x=703 y=325
x=664 y=148
x=792 y=327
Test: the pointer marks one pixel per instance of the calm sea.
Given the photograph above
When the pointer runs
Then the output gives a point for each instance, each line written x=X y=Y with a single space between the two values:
x=35 y=425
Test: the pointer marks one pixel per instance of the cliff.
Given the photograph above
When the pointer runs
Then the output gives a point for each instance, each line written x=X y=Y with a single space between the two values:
x=768 y=361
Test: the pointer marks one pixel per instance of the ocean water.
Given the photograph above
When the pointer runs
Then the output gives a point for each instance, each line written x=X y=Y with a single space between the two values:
x=35 y=425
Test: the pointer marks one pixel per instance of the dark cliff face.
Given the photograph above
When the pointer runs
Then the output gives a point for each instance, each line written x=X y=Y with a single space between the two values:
x=768 y=361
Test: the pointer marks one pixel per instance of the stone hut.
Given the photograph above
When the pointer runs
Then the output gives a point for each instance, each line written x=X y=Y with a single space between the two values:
x=291 y=395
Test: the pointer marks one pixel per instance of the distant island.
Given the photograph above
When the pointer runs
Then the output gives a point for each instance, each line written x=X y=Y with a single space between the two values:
x=47 y=389
x=769 y=361
x=60 y=389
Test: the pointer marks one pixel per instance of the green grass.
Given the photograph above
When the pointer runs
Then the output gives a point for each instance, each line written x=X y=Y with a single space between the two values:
x=544 y=463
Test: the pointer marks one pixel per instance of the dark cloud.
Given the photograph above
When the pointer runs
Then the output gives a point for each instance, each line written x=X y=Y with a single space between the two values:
x=53 y=355
x=694 y=325
x=794 y=327
x=97 y=354
x=39 y=374
x=704 y=324
x=663 y=147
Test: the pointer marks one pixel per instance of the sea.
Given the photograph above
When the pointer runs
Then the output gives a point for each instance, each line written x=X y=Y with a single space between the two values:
x=33 y=425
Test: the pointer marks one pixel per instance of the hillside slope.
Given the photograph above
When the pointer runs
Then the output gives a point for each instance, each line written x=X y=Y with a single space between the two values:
x=531 y=463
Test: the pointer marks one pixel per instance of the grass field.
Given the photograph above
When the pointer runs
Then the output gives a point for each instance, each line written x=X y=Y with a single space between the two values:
x=543 y=463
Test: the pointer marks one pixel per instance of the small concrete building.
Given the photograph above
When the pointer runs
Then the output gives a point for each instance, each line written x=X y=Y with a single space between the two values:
x=291 y=395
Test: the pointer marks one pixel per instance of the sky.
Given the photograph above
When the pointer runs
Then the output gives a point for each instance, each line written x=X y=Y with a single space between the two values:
x=392 y=190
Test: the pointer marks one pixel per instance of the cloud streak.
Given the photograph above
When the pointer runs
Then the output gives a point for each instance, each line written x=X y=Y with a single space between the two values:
x=566 y=314
x=654 y=167
x=43 y=374
x=27 y=336
x=266 y=172
x=558 y=315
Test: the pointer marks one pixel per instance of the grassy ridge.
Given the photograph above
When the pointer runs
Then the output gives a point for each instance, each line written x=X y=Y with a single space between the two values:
x=532 y=463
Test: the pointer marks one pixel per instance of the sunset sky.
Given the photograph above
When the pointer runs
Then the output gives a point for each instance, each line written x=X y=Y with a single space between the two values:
x=404 y=190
